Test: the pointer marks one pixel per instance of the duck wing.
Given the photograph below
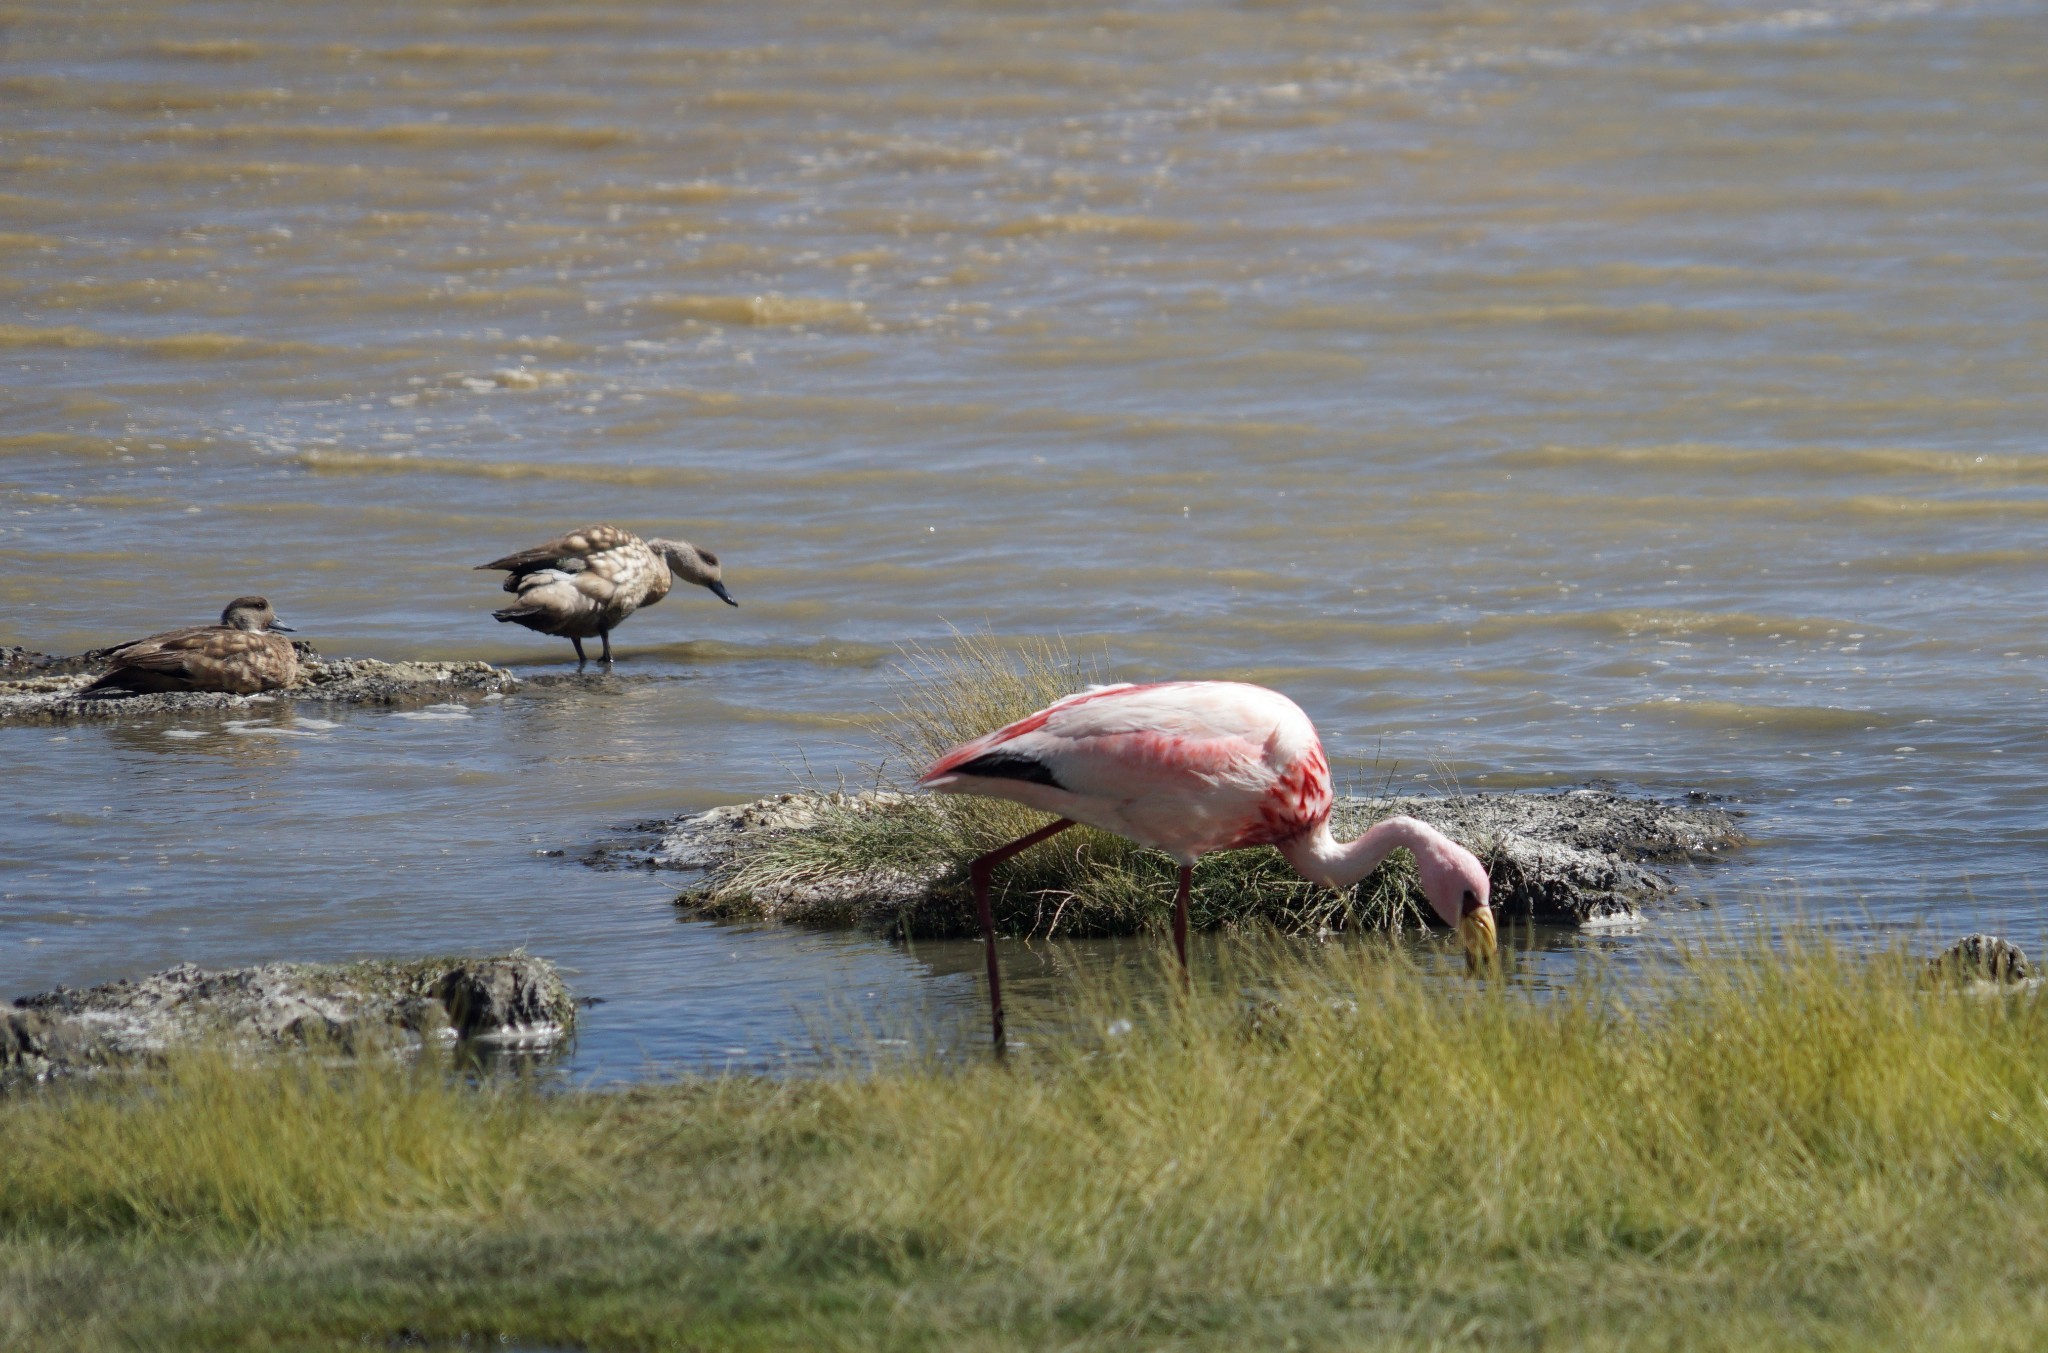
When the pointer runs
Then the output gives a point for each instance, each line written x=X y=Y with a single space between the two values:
x=568 y=553
x=120 y=652
x=150 y=651
x=205 y=657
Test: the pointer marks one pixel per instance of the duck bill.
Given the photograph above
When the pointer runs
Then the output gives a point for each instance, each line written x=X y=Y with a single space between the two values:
x=276 y=628
x=1475 y=932
x=718 y=590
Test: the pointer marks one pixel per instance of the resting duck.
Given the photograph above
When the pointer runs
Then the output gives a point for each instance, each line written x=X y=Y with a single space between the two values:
x=245 y=653
x=586 y=583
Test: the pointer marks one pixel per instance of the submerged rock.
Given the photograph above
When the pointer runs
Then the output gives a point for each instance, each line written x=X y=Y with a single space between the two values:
x=512 y=1000
x=1579 y=858
x=37 y=688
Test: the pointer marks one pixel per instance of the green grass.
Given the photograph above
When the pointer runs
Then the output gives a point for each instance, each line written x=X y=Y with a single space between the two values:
x=1321 y=1148
x=1082 y=882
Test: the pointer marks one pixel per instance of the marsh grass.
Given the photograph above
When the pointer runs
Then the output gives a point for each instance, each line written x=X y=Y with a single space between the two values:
x=208 y=1143
x=1324 y=1148
x=1082 y=882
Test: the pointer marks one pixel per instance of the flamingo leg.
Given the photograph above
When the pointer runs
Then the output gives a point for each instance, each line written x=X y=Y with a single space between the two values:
x=981 y=871
x=1180 y=919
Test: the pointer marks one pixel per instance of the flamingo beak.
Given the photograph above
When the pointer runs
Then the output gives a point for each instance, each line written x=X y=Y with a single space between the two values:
x=1475 y=931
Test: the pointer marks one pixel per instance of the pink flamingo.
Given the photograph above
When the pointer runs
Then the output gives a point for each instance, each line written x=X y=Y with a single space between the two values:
x=1188 y=767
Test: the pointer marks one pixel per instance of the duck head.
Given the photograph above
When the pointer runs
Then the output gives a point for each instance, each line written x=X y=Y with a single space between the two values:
x=253 y=614
x=693 y=565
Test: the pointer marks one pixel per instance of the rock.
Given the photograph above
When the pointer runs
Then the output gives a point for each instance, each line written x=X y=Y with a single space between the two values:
x=500 y=999
x=1637 y=826
x=40 y=689
x=1550 y=881
x=512 y=1000
x=365 y=681
x=1980 y=958
x=1576 y=857
x=702 y=841
x=16 y=660
x=1579 y=858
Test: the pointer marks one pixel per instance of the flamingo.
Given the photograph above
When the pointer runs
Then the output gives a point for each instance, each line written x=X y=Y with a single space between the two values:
x=1190 y=767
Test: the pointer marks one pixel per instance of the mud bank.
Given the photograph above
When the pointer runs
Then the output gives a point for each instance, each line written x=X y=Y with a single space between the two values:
x=38 y=688
x=515 y=1000
x=1583 y=858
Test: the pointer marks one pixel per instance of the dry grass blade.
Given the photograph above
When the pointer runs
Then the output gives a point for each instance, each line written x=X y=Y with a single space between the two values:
x=947 y=696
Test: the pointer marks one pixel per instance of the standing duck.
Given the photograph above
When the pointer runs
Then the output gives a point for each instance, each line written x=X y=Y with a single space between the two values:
x=586 y=583
x=245 y=653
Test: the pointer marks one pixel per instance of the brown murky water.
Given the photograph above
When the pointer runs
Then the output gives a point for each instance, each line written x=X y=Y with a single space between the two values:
x=1539 y=393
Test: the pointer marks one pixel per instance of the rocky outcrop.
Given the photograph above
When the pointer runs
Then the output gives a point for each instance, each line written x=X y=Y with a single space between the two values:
x=715 y=837
x=366 y=681
x=36 y=688
x=1982 y=960
x=514 y=1000
x=1581 y=858
x=16 y=661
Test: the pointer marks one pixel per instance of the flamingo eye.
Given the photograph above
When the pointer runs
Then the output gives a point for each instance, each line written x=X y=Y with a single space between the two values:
x=1471 y=904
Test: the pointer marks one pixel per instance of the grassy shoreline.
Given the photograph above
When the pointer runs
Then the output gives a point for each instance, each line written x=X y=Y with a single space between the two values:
x=1789 y=1149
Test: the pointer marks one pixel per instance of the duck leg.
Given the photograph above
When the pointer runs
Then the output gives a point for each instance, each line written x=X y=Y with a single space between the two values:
x=580 y=659
x=606 y=635
x=980 y=871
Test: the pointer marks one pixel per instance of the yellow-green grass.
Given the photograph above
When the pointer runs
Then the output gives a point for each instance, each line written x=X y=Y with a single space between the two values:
x=1083 y=882
x=1322 y=1147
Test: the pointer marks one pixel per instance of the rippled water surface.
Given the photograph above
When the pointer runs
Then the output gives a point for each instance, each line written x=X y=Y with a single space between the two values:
x=1539 y=393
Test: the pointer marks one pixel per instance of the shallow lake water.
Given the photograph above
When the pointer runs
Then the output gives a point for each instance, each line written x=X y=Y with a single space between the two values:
x=1540 y=394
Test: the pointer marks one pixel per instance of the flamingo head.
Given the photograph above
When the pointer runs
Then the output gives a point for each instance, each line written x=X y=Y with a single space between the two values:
x=1457 y=887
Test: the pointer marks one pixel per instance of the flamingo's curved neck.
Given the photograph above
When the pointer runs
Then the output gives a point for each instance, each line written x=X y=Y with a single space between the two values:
x=1321 y=858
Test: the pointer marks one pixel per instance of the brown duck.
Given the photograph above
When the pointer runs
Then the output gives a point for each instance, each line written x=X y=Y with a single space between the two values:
x=245 y=653
x=586 y=583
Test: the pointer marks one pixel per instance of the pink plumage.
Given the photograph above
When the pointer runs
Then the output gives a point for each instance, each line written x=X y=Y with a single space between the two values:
x=1185 y=767
x=1188 y=767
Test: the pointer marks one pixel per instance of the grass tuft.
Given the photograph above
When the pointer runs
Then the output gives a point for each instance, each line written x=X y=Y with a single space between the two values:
x=1082 y=882
x=210 y=1144
x=1323 y=1147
